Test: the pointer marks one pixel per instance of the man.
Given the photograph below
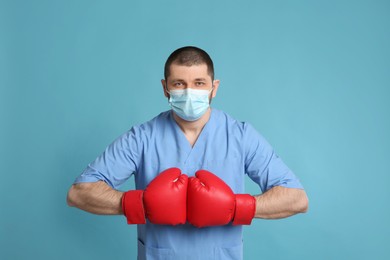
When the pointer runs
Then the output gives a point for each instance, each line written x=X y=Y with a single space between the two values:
x=200 y=217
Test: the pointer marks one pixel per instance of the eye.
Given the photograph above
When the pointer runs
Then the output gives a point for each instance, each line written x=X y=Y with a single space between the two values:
x=199 y=83
x=178 y=84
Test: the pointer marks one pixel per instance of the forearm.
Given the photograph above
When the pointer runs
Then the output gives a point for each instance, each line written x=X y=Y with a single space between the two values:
x=281 y=202
x=95 y=197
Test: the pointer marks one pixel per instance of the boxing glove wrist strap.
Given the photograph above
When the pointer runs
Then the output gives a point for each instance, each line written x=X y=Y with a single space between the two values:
x=245 y=209
x=133 y=207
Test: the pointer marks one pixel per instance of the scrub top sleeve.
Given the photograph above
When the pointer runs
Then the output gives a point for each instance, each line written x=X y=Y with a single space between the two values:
x=263 y=165
x=116 y=164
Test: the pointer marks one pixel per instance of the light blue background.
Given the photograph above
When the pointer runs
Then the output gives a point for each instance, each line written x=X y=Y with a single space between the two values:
x=312 y=76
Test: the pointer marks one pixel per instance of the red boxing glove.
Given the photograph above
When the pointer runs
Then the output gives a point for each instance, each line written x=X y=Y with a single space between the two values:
x=162 y=202
x=211 y=202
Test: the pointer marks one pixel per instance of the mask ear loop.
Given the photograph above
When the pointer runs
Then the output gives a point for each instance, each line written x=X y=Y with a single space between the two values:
x=211 y=94
x=166 y=90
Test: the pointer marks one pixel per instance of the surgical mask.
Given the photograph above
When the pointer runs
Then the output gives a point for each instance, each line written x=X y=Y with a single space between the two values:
x=189 y=104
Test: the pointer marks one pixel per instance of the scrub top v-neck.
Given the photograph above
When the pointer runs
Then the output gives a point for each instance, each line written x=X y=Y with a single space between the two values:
x=190 y=151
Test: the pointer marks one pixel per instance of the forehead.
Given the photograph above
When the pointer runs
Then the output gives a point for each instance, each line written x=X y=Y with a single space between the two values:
x=188 y=72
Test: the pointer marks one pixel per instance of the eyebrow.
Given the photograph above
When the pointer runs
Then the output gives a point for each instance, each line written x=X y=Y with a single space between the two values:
x=182 y=80
x=177 y=80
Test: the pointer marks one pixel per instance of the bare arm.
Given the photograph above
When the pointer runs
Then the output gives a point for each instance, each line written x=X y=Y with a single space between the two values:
x=95 y=197
x=281 y=202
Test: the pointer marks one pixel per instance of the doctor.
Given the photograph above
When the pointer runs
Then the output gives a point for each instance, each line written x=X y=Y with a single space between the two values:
x=199 y=217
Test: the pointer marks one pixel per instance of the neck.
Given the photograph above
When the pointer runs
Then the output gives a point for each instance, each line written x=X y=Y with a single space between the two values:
x=193 y=127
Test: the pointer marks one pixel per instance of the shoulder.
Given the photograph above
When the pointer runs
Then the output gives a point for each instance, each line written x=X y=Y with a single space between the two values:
x=232 y=124
x=150 y=125
x=244 y=133
x=148 y=128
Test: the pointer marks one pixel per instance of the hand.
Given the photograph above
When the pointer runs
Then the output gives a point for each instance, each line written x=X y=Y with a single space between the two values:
x=211 y=202
x=162 y=202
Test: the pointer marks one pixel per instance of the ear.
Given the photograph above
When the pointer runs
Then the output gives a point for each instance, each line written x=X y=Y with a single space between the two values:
x=215 y=85
x=164 y=85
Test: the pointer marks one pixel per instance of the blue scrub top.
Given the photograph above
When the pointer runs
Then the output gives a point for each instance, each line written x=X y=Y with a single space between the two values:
x=226 y=147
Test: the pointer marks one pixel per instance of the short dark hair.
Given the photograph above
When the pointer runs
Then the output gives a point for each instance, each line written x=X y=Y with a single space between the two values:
x=188 y=56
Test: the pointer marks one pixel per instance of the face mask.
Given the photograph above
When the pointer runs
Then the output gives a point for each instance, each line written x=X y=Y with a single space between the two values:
x=189 y=104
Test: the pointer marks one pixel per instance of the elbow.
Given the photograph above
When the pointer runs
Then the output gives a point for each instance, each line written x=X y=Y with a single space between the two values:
x=71 y=197
x=304 y=203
